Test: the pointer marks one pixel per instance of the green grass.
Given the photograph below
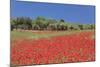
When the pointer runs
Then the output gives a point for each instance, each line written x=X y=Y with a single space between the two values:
x=32 y=35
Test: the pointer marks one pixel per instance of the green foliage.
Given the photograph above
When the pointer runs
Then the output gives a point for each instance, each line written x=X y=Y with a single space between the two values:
x=21 y=23
x=41 y=23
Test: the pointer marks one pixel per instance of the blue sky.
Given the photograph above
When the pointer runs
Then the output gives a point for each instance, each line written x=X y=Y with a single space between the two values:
x=70 y=13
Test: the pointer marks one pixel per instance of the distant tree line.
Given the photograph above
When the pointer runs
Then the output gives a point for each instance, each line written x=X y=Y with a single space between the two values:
x=41 y=23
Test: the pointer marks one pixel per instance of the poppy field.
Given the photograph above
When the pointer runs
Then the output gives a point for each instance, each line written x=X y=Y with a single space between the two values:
x=51 y=47
x=51 y=33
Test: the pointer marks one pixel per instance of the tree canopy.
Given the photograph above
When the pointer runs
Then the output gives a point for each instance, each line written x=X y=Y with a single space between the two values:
x=41 y=23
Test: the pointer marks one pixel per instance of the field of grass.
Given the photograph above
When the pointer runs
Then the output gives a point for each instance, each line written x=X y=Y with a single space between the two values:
x=40 y=34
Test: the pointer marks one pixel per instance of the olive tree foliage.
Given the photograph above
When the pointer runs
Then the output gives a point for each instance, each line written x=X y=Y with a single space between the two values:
x=21 y=23
x=13 y=24
x=41 y=23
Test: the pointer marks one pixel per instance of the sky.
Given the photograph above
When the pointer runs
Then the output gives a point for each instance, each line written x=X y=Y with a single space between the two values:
x=84 y=14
